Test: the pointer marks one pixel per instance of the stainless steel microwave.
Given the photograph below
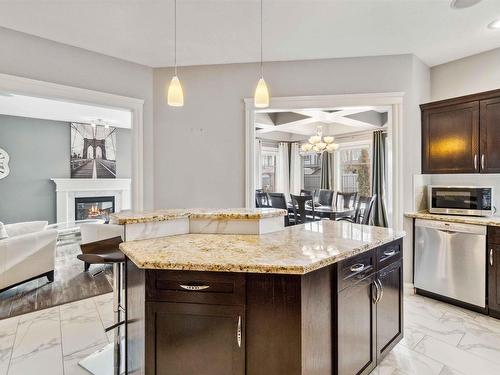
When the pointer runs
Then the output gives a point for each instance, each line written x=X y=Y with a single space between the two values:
x=461 y=200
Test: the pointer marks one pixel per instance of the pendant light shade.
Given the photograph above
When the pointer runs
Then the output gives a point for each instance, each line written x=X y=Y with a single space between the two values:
x=261 y=97
x=175 y=96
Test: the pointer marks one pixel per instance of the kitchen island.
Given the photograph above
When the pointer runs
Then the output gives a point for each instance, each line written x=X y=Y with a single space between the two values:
x=319 y=298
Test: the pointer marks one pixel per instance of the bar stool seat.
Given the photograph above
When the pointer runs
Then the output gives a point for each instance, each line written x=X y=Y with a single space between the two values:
x=111 y=257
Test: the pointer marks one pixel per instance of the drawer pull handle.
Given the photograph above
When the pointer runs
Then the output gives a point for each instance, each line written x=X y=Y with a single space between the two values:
x=357 y=267
x=238 y=332
x=491 y=257
x=389 y=253
x=194 y=287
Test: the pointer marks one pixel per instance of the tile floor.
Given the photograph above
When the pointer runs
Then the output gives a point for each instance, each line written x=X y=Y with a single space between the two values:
x=439 y=339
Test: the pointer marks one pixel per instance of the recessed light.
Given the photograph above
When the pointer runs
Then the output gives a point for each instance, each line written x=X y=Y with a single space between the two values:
x=462 y=4
x=495 y=24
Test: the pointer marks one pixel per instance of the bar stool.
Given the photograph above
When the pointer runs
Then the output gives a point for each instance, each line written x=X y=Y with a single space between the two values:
x=107 y=252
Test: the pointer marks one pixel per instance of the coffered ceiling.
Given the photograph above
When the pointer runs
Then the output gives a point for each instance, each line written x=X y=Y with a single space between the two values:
x=227 y=31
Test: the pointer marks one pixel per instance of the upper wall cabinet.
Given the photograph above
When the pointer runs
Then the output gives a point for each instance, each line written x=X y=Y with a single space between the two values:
x=462 y=135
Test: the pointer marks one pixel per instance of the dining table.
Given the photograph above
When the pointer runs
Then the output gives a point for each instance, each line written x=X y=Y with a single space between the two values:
x=326 y=212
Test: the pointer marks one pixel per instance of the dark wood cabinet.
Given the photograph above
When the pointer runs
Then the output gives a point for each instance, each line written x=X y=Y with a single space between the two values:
x=490 y=136
x=493 y=257
x=185 y=338
x=357 y=328
x=450 y=139
x=369 y=308
x=389 y=308
x=461 y=135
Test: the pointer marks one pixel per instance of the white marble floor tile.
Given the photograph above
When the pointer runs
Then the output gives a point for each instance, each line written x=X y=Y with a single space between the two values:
x=456 y=358
x=71 y=366
x=37 y=332
x=104 y=304
x=449 y=371
x=487 y=321
x=410 y=362
x=437 y=328
x=81 y=327
x=8 y=328
x=412 y=337
x=43 y=362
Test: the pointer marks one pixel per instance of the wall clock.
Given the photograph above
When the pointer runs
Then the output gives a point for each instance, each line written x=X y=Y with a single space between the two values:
x=4 y=163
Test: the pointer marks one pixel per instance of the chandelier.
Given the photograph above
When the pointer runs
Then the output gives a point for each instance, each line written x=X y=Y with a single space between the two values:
x=319 y=143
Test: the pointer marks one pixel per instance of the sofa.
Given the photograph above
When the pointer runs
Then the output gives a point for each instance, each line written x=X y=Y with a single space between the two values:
x=27 y=252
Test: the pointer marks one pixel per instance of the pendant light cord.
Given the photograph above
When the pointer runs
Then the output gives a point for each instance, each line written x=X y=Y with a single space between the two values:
x=261 y=43
x=175 y=37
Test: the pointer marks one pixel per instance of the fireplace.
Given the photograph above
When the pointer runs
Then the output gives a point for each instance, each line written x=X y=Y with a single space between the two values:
x=94 y=207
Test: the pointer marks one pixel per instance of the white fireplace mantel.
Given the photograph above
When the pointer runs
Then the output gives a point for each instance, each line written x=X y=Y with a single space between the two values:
x=67 y=189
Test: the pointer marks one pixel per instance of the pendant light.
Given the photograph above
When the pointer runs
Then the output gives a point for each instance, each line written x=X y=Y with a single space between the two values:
x=261 y=96
x=175 y=95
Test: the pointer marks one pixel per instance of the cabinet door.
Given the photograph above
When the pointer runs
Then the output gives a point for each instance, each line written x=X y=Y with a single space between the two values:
x=450 y=139
x=356 y=352
x=490 y=136
x=493 y=257
x=389 y=308
x=192 y=339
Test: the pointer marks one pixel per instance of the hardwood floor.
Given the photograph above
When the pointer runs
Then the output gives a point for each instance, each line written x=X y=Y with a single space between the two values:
x=70 y=284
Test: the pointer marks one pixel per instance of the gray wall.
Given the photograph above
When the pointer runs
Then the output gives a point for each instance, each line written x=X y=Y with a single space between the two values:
x=40 y=150
x=469 y=75
x=41 y=59
x=200 y=148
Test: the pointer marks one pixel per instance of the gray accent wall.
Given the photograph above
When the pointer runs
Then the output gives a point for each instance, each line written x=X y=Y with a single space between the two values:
x=40 y=150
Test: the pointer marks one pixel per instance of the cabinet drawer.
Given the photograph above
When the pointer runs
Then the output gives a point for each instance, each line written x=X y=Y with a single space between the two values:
x=355 y=269
x=494 y=235
x=389 y=253
x=196 y=287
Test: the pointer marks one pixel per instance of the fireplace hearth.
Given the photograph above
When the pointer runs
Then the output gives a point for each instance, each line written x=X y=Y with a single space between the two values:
x=94 y=207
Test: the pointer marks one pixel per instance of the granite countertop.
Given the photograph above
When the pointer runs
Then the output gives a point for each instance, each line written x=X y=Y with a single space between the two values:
x=131 y=217
x=294 y=250
x=479 y=220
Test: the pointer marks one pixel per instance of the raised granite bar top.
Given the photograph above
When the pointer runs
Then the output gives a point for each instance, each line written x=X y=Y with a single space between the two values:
x=478 y=220
x=294 y=250
x=131 y=217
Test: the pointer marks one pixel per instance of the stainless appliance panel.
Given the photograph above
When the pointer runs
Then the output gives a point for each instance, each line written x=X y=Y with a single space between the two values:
x=450 y=260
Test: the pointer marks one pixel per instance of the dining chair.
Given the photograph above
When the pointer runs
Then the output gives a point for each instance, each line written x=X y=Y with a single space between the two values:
x=278 y=200
x=349 y=199
x=325 y=197
x=300 y=210
x=307 y=192
x=261 y=199
x=363 y=212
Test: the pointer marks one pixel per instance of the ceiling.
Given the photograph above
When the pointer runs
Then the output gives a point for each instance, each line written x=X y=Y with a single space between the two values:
x=301 y=124
x=48 y=109
x=227 y=31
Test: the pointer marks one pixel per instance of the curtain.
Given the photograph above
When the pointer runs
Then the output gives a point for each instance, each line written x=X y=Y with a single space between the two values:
x=327 y=163
x=379 y=179
x=282 y=169
x=258 y=164
x=296 y=175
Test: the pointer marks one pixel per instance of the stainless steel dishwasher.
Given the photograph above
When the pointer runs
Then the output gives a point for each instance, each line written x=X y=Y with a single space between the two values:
x=450 y=260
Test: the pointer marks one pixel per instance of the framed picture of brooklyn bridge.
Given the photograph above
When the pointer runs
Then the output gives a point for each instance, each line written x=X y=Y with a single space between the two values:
x=93 y=151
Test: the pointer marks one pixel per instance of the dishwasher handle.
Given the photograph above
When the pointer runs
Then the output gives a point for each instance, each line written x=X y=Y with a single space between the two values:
x=451 y=227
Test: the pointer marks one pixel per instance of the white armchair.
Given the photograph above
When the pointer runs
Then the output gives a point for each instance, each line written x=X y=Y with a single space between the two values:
x=27 y=253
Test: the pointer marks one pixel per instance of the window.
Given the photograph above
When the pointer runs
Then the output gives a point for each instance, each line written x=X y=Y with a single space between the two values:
x=355 y=169
x=312 y=171
x=269 y=169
